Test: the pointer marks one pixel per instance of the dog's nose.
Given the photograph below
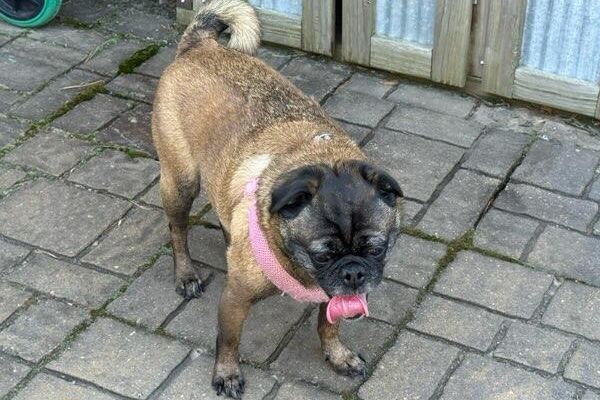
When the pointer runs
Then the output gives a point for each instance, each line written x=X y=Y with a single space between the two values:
x=353 y=275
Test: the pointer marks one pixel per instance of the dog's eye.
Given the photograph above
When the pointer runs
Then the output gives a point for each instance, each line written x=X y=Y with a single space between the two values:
x=322 y=258
x=376 y=251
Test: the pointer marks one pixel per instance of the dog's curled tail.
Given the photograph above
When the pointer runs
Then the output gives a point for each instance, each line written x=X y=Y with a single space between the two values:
x=217 y=15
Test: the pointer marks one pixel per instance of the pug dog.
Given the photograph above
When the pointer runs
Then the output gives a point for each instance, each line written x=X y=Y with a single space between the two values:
x=295 y=196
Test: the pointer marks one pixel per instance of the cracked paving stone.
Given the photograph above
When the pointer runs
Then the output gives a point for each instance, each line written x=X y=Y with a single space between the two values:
x=107 y=61
x=142 y=24
x=11 y=372
x=56 y=216
x=569 y=135
x=357 y=133
x=391 y=302
x=460 y=323
x=548 y=206
x=481 y=378
x=418 y=164
x=11 y=254
x=358 y=108
x=48 y=387
x=57 y=93
x=304 y=359
x=85 y=40
x=532 y=346
x=268 y=322
x=434 y=99
x=11 y=299
x=496 y=152
x=10 y=176
x=301 y=391
x=583 y=366
x=414 y=261
x=207 y=245
x=369 y=84
x=575 y=308
x=117 y=173
x=557 y=166
x=93 y=114
x=52 y=152
x=194 y=382
x=10 y=129
x=120 y=358
x=411 y=209
x=136 y=86
x=498 y=285
x=567 y=253
x=504 y=233
x=459 y=205
x=275 y=57
x=157 y=64
x=131 y=243
x=150 y=299
x=40 y=329
x=62 y=279
x=434 y=126
x=315 y=77
x=131 y=129
x=411 y=369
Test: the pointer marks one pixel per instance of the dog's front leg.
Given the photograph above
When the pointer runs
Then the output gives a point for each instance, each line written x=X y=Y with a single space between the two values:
x=233 y=310
x=342 y=359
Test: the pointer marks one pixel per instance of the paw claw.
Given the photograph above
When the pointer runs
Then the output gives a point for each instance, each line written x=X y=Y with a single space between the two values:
x=190 y=289
x=232 y=386
x=352 y=365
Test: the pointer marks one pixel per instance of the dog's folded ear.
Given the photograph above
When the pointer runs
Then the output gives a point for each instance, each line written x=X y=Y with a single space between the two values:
x=295 y=190
x=387 y=186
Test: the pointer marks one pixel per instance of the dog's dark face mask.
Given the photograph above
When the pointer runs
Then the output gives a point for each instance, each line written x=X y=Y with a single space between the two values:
x=339 y=224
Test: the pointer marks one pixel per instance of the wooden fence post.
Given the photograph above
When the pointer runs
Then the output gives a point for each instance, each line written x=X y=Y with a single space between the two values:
x=357 y=28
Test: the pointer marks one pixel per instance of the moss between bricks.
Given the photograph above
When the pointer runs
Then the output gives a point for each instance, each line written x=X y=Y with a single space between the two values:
x=138 y=58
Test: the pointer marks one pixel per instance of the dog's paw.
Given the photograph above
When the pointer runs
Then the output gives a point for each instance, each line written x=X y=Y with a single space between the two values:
x=230 y=385
x=348 y=364
x=189 y=287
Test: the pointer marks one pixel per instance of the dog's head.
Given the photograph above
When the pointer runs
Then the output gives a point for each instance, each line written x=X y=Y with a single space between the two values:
x=338 y=223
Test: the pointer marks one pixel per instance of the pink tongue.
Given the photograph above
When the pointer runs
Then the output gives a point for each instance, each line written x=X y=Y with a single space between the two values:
x=346 y=307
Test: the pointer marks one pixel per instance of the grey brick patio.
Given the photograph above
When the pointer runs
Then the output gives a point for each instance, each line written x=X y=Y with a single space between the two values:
x=492 y=292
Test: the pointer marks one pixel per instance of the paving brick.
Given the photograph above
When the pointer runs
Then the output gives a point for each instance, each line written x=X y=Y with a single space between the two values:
x=40 y=329
x=518 y=119
x=62 y=279
x=57 y=93
x=107 y=61
x=549 y=206
x=369 y=84
x=300 y=391
x=411 y=209
x=554 y=165
x=434 y=125
x=422 y=362
x=48 y=387
x=569 y=135
x=595 y=190
x=8 y=98
x=151 y=297
x=156 y=65
x=357 y=133
x=391 y=302
x=267 y=324
x=315 y=77
x=418 y=164
x=591 y=396
x=98 y=356
x=459 y=205
x=11 y=372
x=504 y=233
x=583 y=366
x=132 y=243
x=575 y=308
x=28 y=64
x=457 y=322
x=208 y=246
x=89 y=11
x=303 y=357
x=10 y=176
x=275 y=57
x=414 y=261
x=194 y=382
x=433 y=98
x=142 y=24
x=10 y=130
x=92 y=115
x=51 y=152
x=358 y=108
x=11 y=299
x=11 y=254
x=57 y=216
x=117 y=173
x=496 y=152
x=481 y=378
x=567 y=253
x=67 y=37
x=131 y=129
x=534 y=347
x=10 y=30
x=135 y=86
x=499 y=285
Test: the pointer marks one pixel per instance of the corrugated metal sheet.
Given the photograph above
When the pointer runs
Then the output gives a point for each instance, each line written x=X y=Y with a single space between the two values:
x=563 y=37
x=410 y=20
x=293 y=7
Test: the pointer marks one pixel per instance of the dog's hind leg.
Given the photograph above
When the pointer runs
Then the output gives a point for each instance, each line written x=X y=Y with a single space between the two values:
x=178 y=190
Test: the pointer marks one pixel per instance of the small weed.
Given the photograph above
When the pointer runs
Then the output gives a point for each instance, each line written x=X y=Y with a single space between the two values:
x=138 y=58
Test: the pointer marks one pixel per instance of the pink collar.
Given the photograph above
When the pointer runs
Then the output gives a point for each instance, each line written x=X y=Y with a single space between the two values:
x=267 y=260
